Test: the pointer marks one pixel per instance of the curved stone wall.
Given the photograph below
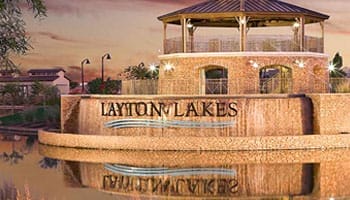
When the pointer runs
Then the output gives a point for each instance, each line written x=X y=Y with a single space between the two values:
x=239 y=115
x=195 y=143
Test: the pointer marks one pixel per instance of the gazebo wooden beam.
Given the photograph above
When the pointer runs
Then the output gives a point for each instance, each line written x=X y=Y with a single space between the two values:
x=243 y=32
x=287 y=16
x=184 y=34
x=302 y=34
x=164 y=36
x=322 y=32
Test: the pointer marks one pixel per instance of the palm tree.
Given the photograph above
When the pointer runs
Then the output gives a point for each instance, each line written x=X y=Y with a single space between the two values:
x=336 y=65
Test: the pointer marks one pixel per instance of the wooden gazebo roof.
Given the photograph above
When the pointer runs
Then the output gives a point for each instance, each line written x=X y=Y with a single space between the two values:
x=221 y=13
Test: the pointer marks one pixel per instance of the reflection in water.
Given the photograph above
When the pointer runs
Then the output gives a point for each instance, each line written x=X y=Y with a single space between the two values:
x=162 y=171
x=258 y=174
x=46 y=163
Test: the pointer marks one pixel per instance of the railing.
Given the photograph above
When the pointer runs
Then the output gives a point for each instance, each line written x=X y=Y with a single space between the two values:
x=237 y=86
x=276 y=85
x=275 y=43
x=216 y=86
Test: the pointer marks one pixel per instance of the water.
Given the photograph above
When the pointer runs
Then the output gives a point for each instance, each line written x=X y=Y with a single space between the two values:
x=32 y=171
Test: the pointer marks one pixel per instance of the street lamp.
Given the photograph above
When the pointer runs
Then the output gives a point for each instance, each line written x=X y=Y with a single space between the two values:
x=108 y=57
x=85 y=61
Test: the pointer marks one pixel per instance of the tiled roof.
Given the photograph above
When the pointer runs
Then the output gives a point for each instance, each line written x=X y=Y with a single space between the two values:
x=27 y=78
x=249 y=6
x=56 y=70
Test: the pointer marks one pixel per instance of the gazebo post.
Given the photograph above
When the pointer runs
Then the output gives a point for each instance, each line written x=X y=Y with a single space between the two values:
x=243 y=32
x=191 y=32
x=322 y=37
x=302 y=34
x=184 y=34
x=164 y=37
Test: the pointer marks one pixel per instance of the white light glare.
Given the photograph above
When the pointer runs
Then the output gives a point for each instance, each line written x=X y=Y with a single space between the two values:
x=242 y=21
x=152 y=67
x=255 y=65
x=296 y=25
x=189 y=25
x=168 y=67
x=300 y=63
x=331 y=67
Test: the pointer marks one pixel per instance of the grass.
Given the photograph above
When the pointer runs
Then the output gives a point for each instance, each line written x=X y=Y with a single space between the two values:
x=343 y=87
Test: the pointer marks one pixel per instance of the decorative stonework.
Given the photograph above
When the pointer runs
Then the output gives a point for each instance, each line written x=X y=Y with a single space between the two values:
x=257 y=115
x=195 y=143
x=70 y=113
x=242 y=77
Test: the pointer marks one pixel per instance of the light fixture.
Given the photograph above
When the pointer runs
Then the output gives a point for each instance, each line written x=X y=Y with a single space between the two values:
x=152 y=67
x=253 y=64
x=243 y=21
x=300 y=63
x=108 y=57
x=85 y=61
x=296 y=25
x=168 y=67
x=331 y=66
x=189 y=24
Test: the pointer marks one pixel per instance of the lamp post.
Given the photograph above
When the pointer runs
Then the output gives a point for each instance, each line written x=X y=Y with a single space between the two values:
x=85 y=61
x=108 y=57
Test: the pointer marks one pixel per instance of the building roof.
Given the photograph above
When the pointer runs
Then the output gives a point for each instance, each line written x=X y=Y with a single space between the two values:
x=231 y=8
x=27 y=78
x=56 y=70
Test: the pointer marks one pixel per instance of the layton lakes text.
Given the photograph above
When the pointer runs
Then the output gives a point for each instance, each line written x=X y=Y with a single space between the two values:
x=176 y=109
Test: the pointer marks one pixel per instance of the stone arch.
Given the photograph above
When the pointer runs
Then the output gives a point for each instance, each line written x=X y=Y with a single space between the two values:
x=214 y=79
x=276 y=78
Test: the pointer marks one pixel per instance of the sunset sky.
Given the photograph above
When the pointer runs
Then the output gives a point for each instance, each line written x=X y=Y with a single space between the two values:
x=130 y=31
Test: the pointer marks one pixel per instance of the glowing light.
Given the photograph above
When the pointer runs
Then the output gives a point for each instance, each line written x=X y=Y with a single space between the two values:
x=296 y=25
x=243 y=21
x=332 y=198
x=255 y=65
x=152 y=67
x=168 y=67
x=331 y=67
x=301 y=64
x=189 y=24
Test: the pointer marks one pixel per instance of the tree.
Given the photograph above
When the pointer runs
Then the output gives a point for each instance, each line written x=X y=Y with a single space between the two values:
x=73 y=84
x=13 y=91
x=49 y=94
x=336 y=67
x=110 y=86
x=13 y=37
x=140 y=72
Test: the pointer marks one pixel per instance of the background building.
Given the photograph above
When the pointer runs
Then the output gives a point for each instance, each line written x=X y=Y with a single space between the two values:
x=53 y=77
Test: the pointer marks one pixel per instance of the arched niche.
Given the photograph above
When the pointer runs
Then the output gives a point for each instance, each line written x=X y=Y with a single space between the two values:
x=214 y=79
x=275 y=79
